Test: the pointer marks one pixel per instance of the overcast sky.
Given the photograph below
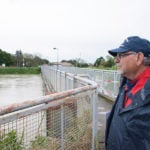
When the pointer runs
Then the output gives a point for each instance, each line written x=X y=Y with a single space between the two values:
x=78 y=28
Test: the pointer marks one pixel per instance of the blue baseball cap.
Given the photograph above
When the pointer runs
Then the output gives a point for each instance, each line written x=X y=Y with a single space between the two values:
x=135 y=44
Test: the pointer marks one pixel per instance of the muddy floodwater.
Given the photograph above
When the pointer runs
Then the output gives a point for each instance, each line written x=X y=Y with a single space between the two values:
x=17 y=88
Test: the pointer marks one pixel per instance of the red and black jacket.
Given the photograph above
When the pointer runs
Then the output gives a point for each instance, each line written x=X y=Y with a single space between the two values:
x=128 y=125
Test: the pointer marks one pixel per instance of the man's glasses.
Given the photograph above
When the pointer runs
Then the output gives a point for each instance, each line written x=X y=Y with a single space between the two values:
x=120 y=55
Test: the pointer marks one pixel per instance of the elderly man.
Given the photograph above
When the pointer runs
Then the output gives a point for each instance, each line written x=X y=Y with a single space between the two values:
x=128 y=124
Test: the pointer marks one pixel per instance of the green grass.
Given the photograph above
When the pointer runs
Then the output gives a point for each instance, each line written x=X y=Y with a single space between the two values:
x=10 y=141
x=20 y=70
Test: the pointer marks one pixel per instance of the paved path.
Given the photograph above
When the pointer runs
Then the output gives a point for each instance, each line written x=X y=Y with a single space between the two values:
x=104 y=106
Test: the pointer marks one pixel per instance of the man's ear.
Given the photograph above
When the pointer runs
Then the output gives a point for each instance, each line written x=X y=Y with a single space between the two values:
x=140 y=58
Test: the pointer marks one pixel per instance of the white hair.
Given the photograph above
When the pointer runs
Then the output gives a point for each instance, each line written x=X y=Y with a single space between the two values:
x=146 y=61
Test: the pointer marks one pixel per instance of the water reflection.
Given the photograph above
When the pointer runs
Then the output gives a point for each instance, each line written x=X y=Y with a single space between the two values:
x=17 y=88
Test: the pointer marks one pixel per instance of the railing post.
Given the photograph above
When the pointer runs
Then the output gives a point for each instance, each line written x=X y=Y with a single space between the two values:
x=56 y=80
x=62 y=127
x=95 y=112
x=94 y=75
x=102 y=81
x=74 y=82
x=59 y=81
x=65 y=81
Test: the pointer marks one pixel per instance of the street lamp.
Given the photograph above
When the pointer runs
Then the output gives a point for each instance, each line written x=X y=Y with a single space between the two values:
x=57 y=56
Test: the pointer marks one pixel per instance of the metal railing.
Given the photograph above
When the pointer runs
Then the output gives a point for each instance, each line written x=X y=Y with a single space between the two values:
x=66 y=120
x=107 y=80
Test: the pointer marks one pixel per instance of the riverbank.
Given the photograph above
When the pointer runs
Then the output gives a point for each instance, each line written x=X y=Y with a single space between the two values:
x=20 y=70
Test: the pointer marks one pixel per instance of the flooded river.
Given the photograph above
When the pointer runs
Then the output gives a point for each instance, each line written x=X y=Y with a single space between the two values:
x=17 y=88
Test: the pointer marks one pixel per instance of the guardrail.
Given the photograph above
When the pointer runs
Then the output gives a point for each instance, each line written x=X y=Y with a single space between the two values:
x=65 y=120
x=107 y=80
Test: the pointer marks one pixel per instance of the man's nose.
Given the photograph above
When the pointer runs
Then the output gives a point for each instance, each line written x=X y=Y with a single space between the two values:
x=116 y=60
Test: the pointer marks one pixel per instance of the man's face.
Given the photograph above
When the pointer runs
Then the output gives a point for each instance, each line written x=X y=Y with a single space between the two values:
x=126 y=63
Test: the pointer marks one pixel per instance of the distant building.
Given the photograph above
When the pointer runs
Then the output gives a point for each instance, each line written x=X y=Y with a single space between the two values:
x=65 y=64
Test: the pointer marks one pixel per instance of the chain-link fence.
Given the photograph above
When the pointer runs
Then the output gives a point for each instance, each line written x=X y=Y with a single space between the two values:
x=65 y=120
x=108 y=80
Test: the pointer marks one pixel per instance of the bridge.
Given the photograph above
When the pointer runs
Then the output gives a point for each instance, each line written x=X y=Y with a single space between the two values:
x=70 y=115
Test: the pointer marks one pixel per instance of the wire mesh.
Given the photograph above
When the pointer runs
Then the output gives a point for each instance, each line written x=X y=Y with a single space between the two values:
x=19 y=133
x=64 y=121
x=66 y=126
x=108 y=80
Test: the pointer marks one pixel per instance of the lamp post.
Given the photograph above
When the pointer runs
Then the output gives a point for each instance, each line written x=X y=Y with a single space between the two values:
x=57 y=56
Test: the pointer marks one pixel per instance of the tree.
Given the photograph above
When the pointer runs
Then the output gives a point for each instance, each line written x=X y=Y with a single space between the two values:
x=33 y=60
x=5 y=58
x=109 y=61
x=20 y=60
x=99 y=61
